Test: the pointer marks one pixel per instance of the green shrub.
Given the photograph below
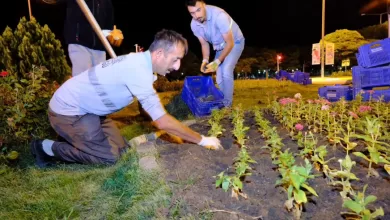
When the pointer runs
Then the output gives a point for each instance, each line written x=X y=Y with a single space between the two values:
x=23 y=108
x=31 y=63
x=31 y=44
x=163 y=85
x=178 y=108
x=342 y=73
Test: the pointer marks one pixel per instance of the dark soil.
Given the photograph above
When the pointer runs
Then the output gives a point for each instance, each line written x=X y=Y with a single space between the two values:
x=191 y=170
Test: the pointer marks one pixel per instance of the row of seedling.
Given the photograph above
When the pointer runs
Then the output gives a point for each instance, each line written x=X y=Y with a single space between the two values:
x=242 y=163
x=293 y=178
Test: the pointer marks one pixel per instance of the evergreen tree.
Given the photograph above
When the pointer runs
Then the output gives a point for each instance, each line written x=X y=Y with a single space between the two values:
x=31 y=44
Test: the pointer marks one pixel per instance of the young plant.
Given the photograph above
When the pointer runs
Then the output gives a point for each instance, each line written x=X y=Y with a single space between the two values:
x=359 y=204
x=274 y=144
x=285 y=160
x=226 y=182
x=239 y=131
x=374 y=146
x=216 y=128
x=294 y=180
x=346 y=142
x=345 y=176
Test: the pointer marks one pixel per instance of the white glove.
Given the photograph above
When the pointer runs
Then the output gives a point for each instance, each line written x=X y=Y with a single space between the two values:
x=212 y=143
x=106 y=32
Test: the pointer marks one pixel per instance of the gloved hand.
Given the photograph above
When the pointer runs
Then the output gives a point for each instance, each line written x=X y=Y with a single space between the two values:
x=115 y=37
x=212 y=143
x=213 y=66
x=203 y=66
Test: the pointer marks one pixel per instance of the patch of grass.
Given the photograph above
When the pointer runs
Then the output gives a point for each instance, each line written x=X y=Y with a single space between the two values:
x=255 y=92
x=121 y=191
x=135 y=129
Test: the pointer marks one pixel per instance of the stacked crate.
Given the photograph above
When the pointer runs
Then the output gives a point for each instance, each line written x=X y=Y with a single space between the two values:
x=296 y=77
x=373 y=71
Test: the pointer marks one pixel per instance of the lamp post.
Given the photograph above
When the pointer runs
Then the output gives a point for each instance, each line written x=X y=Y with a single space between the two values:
x=278 y=58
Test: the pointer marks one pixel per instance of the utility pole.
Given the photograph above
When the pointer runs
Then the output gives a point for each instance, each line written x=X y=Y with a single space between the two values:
x=323 y=41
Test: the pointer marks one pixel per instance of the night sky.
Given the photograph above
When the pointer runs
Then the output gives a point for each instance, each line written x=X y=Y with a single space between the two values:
x=271 y=24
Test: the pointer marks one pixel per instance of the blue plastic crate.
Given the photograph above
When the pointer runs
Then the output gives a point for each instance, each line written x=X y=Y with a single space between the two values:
x=334 y=93
x=374 y=54
x=196 y=93
x=369 y=78
x=308 y=82
x=284 y=74
x=376 y=95
x=302 y=78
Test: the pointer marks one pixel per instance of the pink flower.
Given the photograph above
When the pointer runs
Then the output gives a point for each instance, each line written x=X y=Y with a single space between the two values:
x=310 y=101
x=326 y=102
x=353 y=114
x=325 y=107
x=285 y=101
x=299 y=127
x=363 y=109
x=371 y=92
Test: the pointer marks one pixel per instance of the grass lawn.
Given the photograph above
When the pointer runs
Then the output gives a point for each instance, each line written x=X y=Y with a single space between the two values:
x=122 y=191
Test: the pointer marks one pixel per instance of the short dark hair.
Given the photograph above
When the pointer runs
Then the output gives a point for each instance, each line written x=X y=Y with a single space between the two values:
x=167 y=40
x=192 y=2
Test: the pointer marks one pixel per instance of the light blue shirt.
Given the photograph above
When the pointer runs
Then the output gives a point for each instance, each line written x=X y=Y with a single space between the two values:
x=109 y=87
x=218 y=22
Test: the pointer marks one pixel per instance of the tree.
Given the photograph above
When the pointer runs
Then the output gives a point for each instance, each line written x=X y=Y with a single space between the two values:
x=291 y=57
x=31 y=44
x=245 y=65
x=346 y=43
x=267 y=60
x=376 y=32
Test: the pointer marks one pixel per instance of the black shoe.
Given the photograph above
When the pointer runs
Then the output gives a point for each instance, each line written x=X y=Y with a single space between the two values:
x=41 y=158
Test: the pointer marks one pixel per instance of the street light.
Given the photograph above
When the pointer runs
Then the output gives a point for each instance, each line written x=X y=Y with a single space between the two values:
x=278 y=58
x=376 y=14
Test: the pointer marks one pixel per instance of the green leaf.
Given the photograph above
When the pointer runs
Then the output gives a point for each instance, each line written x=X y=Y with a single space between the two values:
x=354 y=206
x=378 y=212
x=311 y=190
x=369 y=199
x=347 y=162
x=375 y=156
x=383 y=160
x=296 y=180
x=300 y=196
x=360 y=154
x=218 y=182
x=237 y=182
x=225 y=185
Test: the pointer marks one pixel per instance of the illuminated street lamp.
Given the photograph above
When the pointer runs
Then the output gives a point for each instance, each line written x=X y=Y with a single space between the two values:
x=278 y=58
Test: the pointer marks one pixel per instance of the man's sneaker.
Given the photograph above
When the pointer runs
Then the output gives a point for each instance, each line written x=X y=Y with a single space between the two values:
x=41 y=158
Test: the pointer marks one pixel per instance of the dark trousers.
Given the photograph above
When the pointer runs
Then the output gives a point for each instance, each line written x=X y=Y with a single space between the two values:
x=90 y=139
